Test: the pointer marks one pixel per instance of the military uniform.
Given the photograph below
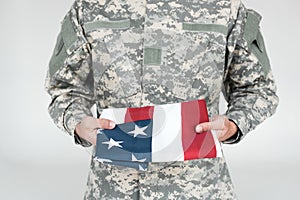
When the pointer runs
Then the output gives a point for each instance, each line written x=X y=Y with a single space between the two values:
x=134 y=53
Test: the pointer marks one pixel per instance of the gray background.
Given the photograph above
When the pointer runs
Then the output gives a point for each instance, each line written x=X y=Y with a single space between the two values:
x=37 y=161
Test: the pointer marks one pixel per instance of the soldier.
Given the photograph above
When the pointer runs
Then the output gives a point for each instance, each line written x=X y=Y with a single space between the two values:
x=134 y=53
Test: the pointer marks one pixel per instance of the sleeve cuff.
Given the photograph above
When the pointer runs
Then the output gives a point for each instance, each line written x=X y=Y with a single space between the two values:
x=240 y=121
x=81 y=141
x=72 y=117
x=236 y=138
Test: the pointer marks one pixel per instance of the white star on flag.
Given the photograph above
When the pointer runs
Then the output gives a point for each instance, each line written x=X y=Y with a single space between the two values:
x=99 y=131
x=138 y=131
x=134 y=159
x=112 y=143
x=103 y=160
x=141 y=168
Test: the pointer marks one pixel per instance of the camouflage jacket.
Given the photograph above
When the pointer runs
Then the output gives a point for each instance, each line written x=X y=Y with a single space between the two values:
x=133 y=53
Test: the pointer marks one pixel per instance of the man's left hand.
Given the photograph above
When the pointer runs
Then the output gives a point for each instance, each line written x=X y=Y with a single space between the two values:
x=221 y=125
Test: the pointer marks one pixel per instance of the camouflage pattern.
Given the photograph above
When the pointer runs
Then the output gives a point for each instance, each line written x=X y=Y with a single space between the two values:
x=177 y=180
x=133 y=53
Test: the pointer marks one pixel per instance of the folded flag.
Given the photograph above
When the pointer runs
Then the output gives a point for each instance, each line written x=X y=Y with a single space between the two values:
x=160 y=133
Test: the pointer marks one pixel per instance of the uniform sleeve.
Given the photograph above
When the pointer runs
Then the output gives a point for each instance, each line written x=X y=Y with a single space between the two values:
x=249 y=86
x=69 y=79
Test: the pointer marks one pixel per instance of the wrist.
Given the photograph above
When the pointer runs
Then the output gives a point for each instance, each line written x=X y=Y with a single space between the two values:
x=233 y=129
x=236 y=137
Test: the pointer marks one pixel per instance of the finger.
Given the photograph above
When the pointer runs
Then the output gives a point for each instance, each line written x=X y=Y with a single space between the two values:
x=105 y=123
x=217 y=123
x=206 y=126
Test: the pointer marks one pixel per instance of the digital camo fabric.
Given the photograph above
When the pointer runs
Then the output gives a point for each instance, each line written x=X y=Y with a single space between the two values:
x=133 y=53
x=208 y=179
x=138 y=53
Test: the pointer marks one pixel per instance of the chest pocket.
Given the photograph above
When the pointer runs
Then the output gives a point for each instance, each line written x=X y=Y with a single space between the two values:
x=187 y=61
x=115 y=56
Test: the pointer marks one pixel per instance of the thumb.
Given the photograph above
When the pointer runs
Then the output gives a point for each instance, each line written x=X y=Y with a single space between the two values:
x=105 y=123
x=203 y=127
x=216 y=123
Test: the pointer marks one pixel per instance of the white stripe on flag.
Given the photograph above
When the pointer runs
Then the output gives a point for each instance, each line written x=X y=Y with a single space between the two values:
x=166 y=135
x=217 y=143
x=116 y=115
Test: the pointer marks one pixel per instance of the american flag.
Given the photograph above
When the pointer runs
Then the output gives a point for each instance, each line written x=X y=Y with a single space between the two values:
x=160 y=133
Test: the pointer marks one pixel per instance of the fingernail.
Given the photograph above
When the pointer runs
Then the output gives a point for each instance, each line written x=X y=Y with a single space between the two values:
x=112 y=124
x=198 y=129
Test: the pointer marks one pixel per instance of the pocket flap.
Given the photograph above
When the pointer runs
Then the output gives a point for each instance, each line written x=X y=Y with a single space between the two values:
x=119 y=24
x=73 y=39
x=252 y=26
x=254 y=39
x=218 y=28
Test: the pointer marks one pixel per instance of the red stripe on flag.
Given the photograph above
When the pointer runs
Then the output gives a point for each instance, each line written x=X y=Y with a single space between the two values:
x=136 y=114
x=196 y=145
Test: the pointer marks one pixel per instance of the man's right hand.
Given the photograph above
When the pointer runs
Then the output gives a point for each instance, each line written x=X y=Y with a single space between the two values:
x=87 y=128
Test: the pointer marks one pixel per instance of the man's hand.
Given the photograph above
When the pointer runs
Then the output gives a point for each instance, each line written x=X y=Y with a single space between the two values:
x=87 y=128
x=221 y=125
